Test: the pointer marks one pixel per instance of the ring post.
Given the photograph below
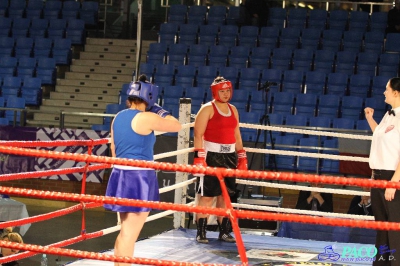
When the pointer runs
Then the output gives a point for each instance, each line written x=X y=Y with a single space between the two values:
x=183 y=143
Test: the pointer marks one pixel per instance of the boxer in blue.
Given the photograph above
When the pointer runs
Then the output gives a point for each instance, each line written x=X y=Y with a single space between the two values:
x=132 y=137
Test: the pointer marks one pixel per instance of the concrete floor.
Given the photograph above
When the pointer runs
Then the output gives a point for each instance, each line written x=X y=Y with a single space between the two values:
x=68 y=226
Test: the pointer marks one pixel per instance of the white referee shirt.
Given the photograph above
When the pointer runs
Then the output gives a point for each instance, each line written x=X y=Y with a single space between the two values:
x=385 y=146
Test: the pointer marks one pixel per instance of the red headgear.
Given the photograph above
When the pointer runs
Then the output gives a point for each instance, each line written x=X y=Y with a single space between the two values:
x=223 y=85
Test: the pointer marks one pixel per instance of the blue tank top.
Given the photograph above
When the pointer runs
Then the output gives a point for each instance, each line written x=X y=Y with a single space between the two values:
x=129 y=144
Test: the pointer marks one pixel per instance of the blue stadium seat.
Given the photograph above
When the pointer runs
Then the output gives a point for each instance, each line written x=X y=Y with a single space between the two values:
x=8 y=65
x=217 y=15
x=26 y=67
x=218 y=55
x=11 y=87
x=320 y=122
x=168 y=33
x=308 y=164
x=5 y=26
x=259 y=58
x=306 y=104
x=338 y=19
x=56 y=28
x=360 y=85
x=362 y=125
x=20 y=27
x=42 y=47
x=248 y=36
x=177 y=13
x=46 y=70
x=332 y=39
x=233 y=16
x=392 y=43
x=272 y=75
x=281 y=58
x=353 y=41
x=38 y=28
x=302 y=60
x=277 y=17
x=23 y=47
x=11 y=115
x=62 y=52
x=208 y=34
x=315 y=82
x=373 y=41
x=379 y=85
x=295 y=121
x=289 y=38
x=337 y=84
x=197 y=15
x=297 y=17
x=343 y=123
x=317 y=18
x=34 y=9
x=328 y=106
x=76 y=31
x=352 y=107
x=285 y=162
x=187 y=34
x=16 y=8
x=328 y=165
x=324 y=61
x=3 y=8
x=6 y=46
x=70 y=10
x=31 y=91
x=378 y=22
x=269 y=37
x=89 y=12
x=228 y=35
x=52 y=9
x=283 y=103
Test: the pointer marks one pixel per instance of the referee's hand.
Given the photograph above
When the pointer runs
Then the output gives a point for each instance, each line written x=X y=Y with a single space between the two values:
x=389 y=194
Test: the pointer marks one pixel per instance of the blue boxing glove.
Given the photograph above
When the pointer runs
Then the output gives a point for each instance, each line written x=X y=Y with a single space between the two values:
x=158 y=110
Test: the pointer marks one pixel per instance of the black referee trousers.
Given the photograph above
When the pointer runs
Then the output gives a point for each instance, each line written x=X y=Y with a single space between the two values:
x=388 y=211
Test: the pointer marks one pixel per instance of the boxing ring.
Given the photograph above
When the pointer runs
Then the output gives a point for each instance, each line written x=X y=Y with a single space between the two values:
x=178 y=246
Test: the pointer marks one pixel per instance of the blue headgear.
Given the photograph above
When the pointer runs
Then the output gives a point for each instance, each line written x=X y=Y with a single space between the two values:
x=144 y=90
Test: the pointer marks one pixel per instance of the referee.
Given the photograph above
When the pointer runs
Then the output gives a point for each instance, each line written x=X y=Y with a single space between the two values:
x=384 y=160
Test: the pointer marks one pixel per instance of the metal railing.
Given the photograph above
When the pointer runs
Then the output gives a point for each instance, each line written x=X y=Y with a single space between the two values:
x=23 y=112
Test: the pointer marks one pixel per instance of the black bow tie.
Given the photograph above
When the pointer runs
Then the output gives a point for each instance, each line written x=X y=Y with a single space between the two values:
x=391 y=112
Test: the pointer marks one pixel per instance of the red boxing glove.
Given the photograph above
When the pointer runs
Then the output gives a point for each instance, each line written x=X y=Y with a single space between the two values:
x=199 y=159
x=242 y=160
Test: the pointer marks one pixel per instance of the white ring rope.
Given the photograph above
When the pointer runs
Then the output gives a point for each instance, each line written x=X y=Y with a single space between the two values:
x=172 y=153
x=307 y=131
x=295 y=211
x=308 y=154
x=305 y=188
x=178 y=185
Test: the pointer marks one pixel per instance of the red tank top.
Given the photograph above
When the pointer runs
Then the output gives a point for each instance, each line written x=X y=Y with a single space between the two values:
x=221 y=129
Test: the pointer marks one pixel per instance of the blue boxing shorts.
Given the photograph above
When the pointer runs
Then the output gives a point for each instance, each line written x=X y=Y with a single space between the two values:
x=132 y=183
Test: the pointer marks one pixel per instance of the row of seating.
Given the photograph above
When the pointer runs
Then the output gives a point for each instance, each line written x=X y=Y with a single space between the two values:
x=250 y=79
x=281 y=17
x=333 y=106
x=7 y=116
x=13 y=69
x=29 y=88
x=273 y=37
x=37 y=48
x=73 y=29
x=55 y=9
